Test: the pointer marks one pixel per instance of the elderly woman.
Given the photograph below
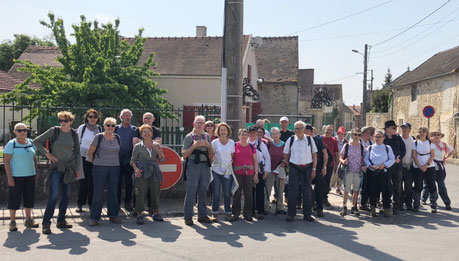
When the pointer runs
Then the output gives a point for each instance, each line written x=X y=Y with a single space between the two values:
x=104 y=155
x=86 y=133
x=210 y=129
x=223 y=148
x=424 y=169
x=379 y=158
x=64 y=154
x=442 y=151
x=148 y=176
x=276 y=152
x=20 y=166
x=245 y=165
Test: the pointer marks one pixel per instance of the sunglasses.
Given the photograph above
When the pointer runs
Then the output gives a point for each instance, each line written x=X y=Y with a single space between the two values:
x=209 y=125
x=110 y=125
x=22 y=130
x=66 y=120
x=93 y=117
x=436 y=135
x=357 y=134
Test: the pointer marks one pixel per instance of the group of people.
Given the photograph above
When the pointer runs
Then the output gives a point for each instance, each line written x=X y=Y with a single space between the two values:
x=374 y=166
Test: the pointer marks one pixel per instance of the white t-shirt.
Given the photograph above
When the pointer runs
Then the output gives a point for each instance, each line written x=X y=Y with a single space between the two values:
x=222 y=155
x=423 y=147
x=301 y=150
x=408 y=159
x=439 y=154
x=86 y=140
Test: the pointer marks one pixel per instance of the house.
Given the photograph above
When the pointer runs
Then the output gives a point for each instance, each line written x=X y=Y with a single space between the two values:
x=357 y=119
x=348 y=120
x=436 y=83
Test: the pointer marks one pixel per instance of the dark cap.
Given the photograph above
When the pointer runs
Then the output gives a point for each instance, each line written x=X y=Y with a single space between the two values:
x=309 y=127
x=389 y=124
x=252 y=128
x=406 y=125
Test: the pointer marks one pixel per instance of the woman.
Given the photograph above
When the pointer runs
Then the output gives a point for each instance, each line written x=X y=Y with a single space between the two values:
x=21 y=169
x=352 y=158
x=379 y=158
x=148 y=176
x=221 y=170
x=210 y=129
x=64 y=154
x=424 y=169
x=442 y=151
x=245 y=165
x=104 y=155
x=86 y=133
x=276 y=152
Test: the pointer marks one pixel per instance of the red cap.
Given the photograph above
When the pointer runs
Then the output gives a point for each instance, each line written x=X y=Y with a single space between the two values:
x=341 y=129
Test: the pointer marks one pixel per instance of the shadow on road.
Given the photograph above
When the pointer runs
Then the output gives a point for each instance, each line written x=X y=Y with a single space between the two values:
x=21 y=242
x=74 y=241
x=166 y=231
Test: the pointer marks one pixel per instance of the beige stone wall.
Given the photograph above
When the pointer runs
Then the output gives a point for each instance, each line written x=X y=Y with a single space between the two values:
x=441 y=93
x=377 y=119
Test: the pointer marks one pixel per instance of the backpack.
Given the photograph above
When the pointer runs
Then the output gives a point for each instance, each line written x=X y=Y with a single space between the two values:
x=99 y=140
x=56 y=135
x=84 y=129
x=292 y=139
x=369 y=153
x=25 y=147
x=346 y=150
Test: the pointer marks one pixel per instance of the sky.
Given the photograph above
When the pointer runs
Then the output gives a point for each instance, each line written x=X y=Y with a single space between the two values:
x=327 y=30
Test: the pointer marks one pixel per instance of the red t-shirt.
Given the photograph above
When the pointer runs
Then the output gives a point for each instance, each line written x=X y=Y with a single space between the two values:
x=332 y=146
x=243 y=156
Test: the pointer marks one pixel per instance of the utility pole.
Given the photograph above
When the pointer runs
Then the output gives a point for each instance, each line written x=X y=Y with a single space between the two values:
x=364 y=100
x=232 y=61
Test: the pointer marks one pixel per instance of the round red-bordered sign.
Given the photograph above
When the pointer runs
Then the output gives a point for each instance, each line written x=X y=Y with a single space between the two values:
x=171 y=168
x=428 y=111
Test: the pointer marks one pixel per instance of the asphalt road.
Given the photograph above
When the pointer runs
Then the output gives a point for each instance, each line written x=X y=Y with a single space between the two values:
x=407 y=236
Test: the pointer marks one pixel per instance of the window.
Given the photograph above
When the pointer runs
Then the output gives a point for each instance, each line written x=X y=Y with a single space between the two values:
x=414 y=93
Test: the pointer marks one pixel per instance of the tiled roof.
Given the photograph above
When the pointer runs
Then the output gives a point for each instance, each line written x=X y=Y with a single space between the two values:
x=347 y=109
x=277 y=59
x=441 y=63
x=7 y=82
x=354 y=109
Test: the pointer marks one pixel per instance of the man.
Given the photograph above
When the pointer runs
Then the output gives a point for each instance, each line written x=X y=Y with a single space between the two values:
x=148 y=118
x=336 y=181
x=126 y=132
x=197 y=150
x=333 y=152
x=264 y=163
x=300 y=152
x=261 y=124
x=318 y=181
x=398 y=148
x=407 y=162
x=367 y=134
x=285 y=133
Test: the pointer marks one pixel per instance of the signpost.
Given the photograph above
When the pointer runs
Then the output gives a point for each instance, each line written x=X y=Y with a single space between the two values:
x=171 y=168
x=428 y=112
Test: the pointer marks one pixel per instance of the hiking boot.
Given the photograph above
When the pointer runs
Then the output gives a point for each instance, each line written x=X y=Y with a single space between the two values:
x=63 y=225
x=12 y=226
x=308 y=218
x=355 y=210
x=115 y=220
x=373 y=211
x=79 y=209
x=157 y=217
x=128 y=207
x=387 y=213
x=93 y=222
x=139 y=220
x=189 y=222
x=289 y=219
x=228 y=217
x=320 y=213
x=448 y=206
x=326 y=203
x=434 y=210
x=46 y=229
x=214 y=218
x=234 y=218
x=261 y=216
x=364 y=208
x=343 y=212
x=30 y=223
x=204 y=219
x=248 y=218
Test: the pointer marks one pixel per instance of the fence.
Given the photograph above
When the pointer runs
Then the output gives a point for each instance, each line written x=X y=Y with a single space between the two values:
x=175 y=123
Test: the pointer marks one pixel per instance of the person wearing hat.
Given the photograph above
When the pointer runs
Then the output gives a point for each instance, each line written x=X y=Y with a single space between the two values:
x=367 y=136
x=366 y=140
x=442 y=151
x=285 y=133
x=336 y=181
x=407 y=171
x=395 y=172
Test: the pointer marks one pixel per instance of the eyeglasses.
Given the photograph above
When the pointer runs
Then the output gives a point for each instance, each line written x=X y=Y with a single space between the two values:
x=300 y=128
x=260 y=132
x=209 y=125
x=62 y=120
x=22 y=130
x=357 y=134
x=379 y=137
x=93 y=117
x=110 y=125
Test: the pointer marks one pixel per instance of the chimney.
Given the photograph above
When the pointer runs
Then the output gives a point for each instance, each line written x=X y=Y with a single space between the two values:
x=201 y=31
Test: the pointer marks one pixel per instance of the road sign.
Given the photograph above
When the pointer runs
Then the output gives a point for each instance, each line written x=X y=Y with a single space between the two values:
x=428 y=111
x=171 y=168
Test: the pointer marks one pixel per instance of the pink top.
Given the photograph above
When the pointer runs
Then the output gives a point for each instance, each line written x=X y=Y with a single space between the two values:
x=243 y=156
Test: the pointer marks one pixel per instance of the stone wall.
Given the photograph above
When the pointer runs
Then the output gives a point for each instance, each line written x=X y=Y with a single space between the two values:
x=377 y=119
x=278 y=98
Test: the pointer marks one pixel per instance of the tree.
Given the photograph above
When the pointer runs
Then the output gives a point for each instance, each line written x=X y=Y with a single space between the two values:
x=387 y=78
x=98 y=70
x=10 y=50
x=380 y=100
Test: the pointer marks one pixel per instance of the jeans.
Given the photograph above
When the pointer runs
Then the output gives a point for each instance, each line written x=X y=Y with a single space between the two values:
x=440 y=179
x=259 y=195
x=429 y=178
x=246 y=186
x=126 y=173
x=396 y=188
x=198 y=177
x=221 y=183
x=86 y=185
x=56 y=180
x=102 y=175
x=379 y=182
x=299 y=178
x=407 y=191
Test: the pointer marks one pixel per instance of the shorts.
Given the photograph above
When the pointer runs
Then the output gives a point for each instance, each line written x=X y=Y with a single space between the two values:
x=352 y=179
x=24 y=188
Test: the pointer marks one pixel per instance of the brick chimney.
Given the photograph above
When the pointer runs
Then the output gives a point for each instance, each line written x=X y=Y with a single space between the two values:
x=201 y=31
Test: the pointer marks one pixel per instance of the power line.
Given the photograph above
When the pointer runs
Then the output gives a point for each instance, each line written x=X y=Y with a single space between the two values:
x=342 y=18
x=412 y=25
x=343 y=78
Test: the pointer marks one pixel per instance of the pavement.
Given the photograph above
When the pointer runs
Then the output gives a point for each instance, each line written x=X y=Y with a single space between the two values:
x=406 y=236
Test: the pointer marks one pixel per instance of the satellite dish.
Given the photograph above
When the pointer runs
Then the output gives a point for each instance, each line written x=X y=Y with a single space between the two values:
x=258 y=41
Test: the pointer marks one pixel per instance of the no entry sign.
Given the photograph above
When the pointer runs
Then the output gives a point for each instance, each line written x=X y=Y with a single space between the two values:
x=171 y=168
x=428 y=111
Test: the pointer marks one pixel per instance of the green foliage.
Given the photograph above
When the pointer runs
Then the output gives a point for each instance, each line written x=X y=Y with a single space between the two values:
x=99 y=70
x=10 y=50
x=380 y=100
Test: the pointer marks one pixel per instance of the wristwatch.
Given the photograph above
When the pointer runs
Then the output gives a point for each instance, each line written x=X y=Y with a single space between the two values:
x=313 y=168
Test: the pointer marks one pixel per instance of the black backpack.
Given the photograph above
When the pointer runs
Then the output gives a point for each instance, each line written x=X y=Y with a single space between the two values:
x=369 y=152
x=99 y=140
x=292 y=139
x=56 y=135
